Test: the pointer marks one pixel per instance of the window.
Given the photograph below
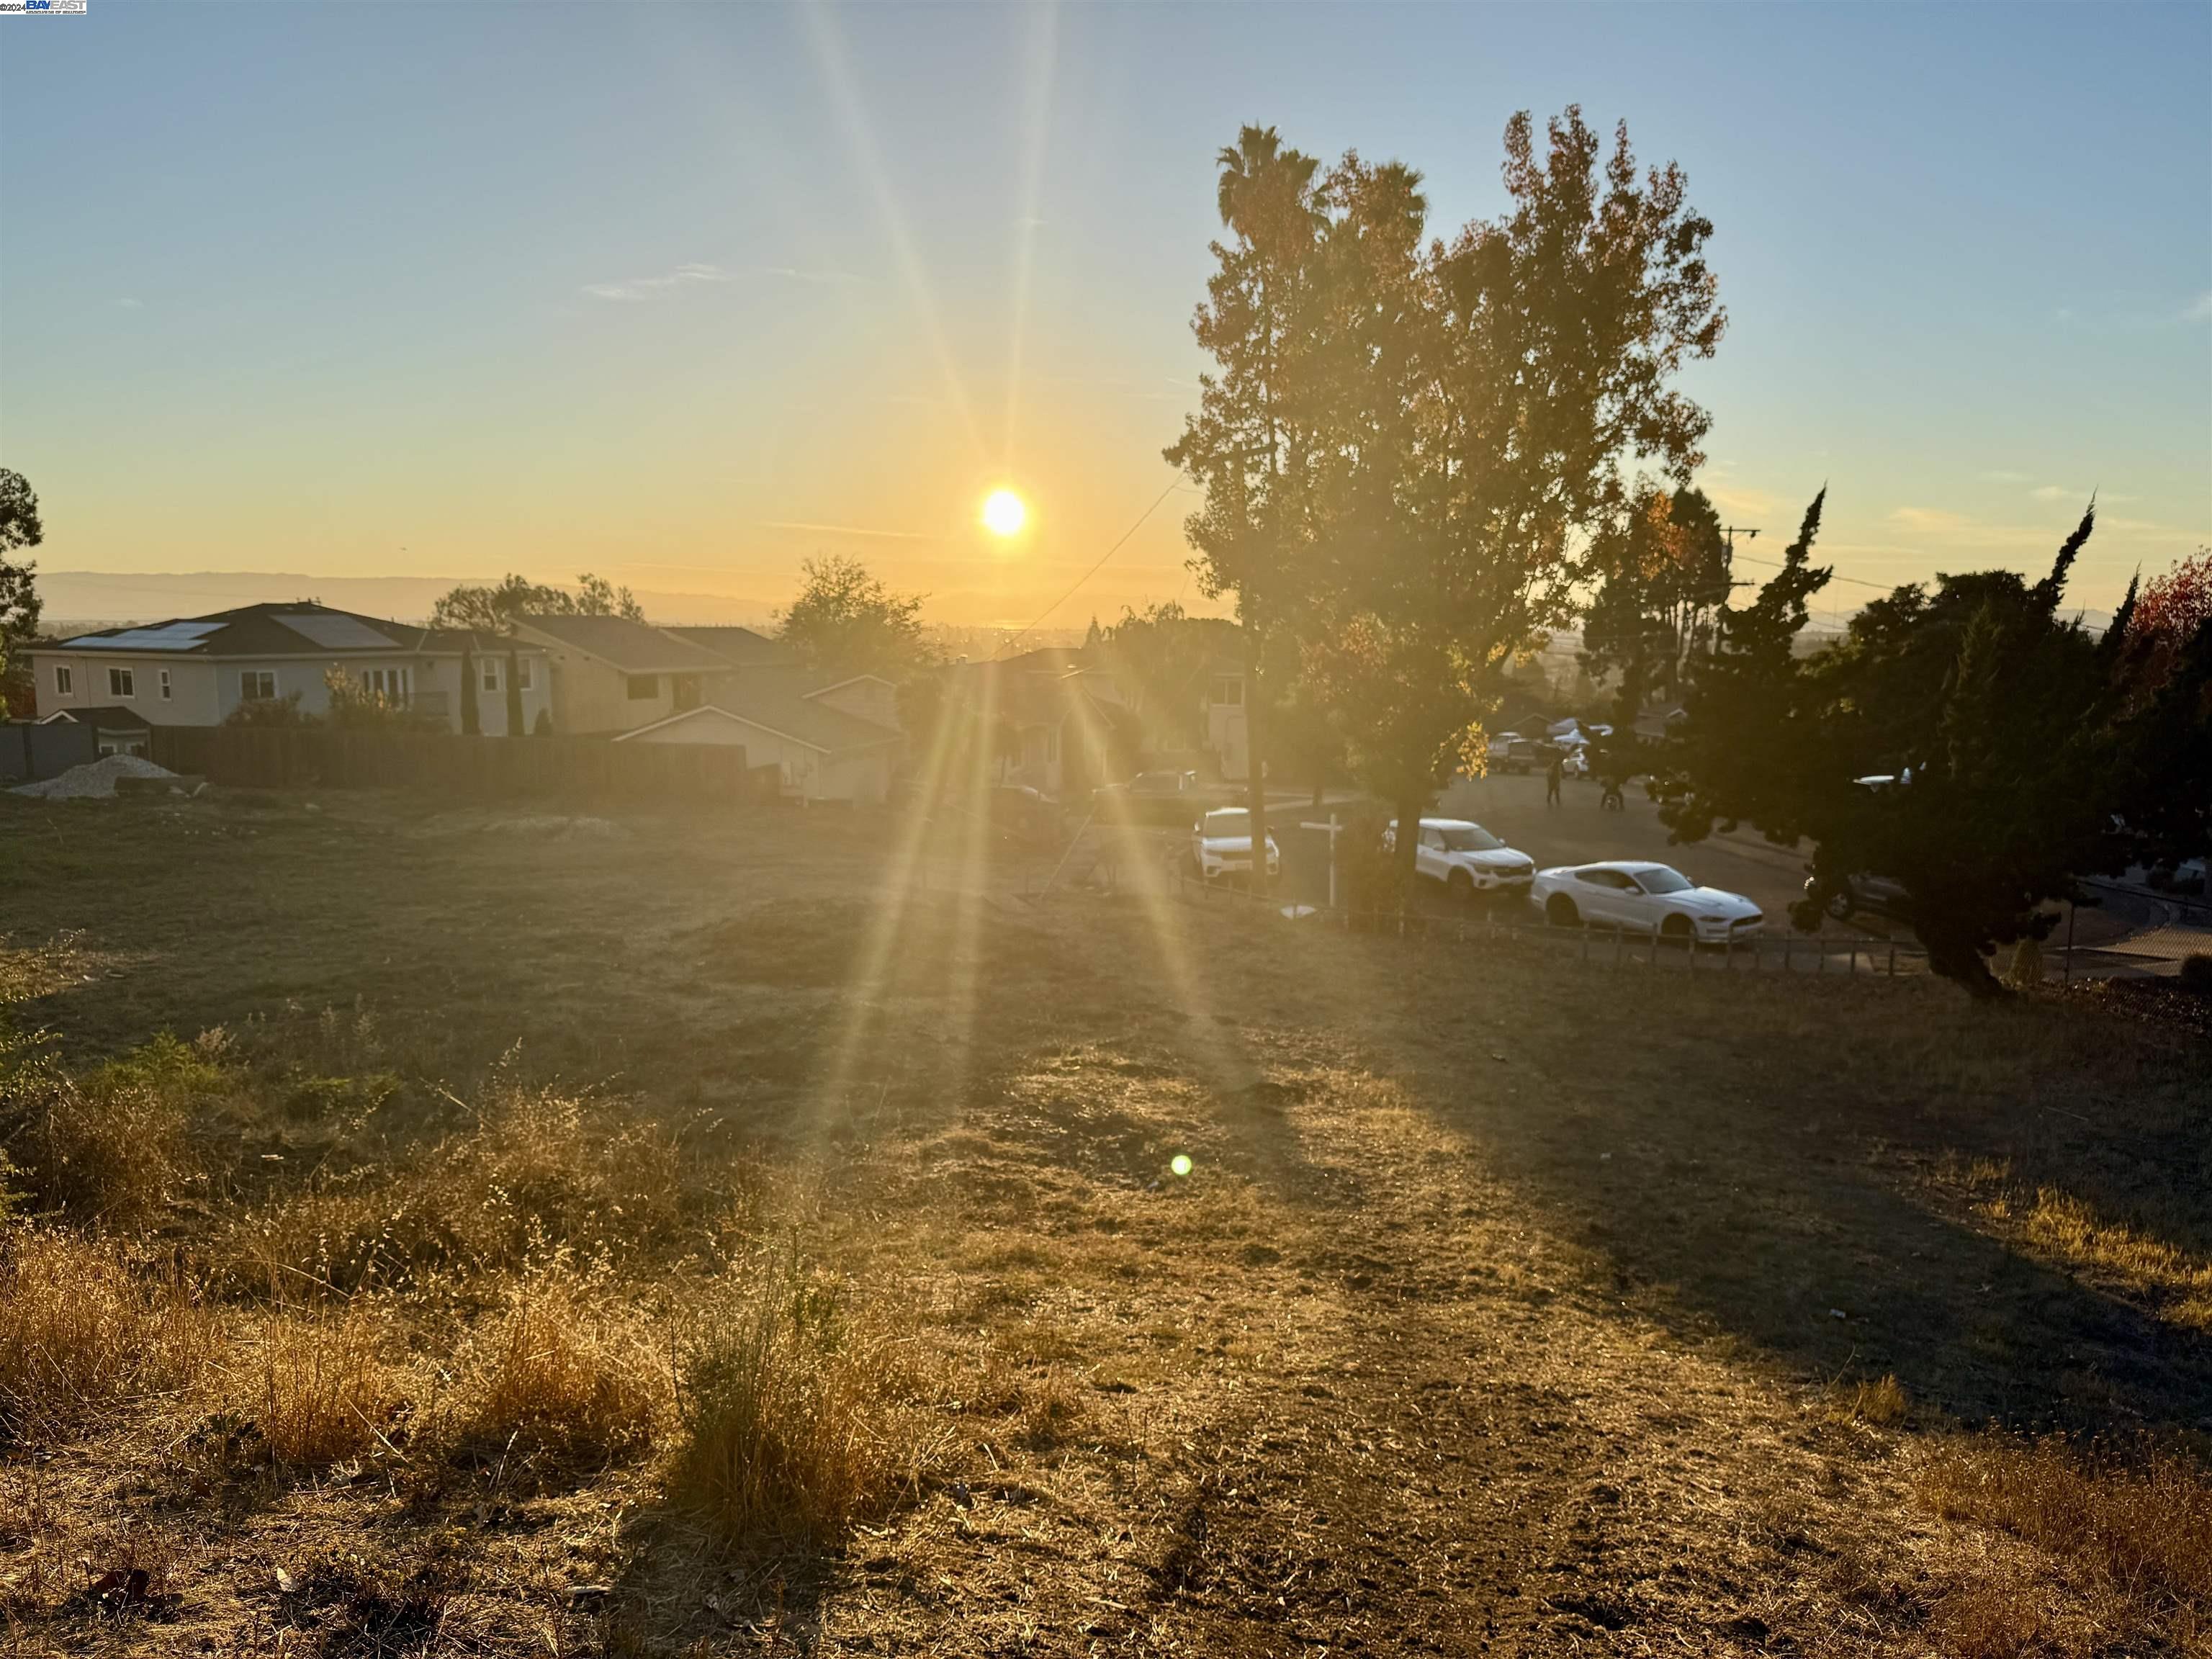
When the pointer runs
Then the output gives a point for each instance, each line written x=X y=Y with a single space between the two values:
x=256 y=685
x=65 y=682
x=687 y=692
x=1229 y=691
x=165 y=685
x=642 y=688
x=122 y=682
x=491 y=673
x=394 y=685
x=522 y=673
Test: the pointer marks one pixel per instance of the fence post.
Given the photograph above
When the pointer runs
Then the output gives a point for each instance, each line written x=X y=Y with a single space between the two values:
x=1620 y=944
x=1788 y=939
x=1893 y=959
x=1585 y=944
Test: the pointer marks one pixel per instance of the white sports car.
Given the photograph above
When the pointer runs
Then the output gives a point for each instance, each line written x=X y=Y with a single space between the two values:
x=1467 y=857
x=1221 y=845
x=1642 y=898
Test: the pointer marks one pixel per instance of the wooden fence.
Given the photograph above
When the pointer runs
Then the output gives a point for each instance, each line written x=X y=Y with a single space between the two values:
x=497 y=769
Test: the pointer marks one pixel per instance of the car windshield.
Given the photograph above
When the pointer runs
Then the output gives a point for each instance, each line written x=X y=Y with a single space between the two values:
x=1470 y=838
x=1663 y=880
x=1235 y=821
x=1159 y=783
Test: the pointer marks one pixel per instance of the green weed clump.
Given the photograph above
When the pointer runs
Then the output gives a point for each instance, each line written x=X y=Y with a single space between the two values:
x=112 y=1146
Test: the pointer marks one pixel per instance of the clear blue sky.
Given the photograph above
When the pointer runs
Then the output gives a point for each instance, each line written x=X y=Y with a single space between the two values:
x=686 y=293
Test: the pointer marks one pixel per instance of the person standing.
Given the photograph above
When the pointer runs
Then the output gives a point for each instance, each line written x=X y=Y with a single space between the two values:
x=1554 y=774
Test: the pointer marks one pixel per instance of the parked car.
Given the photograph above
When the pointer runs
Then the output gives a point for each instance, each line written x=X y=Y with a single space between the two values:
x=1642 y=898
x=1510 y=751
x=1467 y=859
x=1154 y=798
x=1221 y=845
x=1845 y=897
x=2186 y=877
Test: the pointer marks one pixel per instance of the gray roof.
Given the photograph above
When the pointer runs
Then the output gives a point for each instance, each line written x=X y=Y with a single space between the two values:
x=634 y=647
x=301 y=629
x=742 y=646
x=760 y=700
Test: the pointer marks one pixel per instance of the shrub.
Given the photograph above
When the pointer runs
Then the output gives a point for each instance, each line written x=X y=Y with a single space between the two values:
x=84 y=1322
x=2196 y=973
x=797 y=1410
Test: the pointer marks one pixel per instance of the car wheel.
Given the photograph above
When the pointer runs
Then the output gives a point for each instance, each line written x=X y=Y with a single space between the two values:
x=1461 y=886
x=1842 y=903
x=1677 y=930
x=1559 y=911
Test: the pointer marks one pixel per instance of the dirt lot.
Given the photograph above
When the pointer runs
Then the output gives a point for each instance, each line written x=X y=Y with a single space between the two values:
x=1509 y=1304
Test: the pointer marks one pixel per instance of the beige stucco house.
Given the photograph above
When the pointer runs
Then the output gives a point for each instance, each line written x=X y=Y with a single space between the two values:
x=197 y=670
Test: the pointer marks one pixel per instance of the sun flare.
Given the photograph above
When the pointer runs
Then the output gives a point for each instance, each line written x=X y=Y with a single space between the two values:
x=1003 y=513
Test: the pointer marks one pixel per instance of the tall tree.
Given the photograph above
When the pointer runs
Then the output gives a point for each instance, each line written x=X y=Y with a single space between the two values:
x=1967 y=743
x=19 y=591
x=1248 y=445
x=493 y=610
x=1490 y=398
x=847 y=621
x=1626 y=630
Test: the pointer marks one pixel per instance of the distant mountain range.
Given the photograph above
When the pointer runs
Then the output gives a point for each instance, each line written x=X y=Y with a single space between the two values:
x=79 y=599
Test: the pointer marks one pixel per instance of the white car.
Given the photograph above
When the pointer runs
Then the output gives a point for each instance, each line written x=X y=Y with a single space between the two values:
x=1642 y=898
x=1221 y=845
x=1467 y=857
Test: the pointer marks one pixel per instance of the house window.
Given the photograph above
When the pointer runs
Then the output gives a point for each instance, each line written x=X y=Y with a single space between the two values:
x=122 y=682
x=65 y=682
x=687 y=692
x=1229 y=692
x=491 y=673
x=522 y=673
x=256 y=685
x=394 y=685
x=165 y=685
x=643 y=687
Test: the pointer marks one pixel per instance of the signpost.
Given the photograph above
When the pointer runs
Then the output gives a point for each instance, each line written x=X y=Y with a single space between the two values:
x=1333 y=829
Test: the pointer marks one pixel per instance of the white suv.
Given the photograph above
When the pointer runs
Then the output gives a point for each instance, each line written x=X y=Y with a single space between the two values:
x=1467 y=859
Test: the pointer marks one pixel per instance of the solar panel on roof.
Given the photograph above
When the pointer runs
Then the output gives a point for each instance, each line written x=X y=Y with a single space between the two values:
x=336 y=632
x=170 y=636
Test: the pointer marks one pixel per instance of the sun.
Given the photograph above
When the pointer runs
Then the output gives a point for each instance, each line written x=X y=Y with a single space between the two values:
x=1004 y=514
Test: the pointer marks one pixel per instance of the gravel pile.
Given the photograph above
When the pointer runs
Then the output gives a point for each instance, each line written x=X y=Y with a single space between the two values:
x=95 y=781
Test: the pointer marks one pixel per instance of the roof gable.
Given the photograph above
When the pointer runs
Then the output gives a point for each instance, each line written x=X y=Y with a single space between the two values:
x=634 y=647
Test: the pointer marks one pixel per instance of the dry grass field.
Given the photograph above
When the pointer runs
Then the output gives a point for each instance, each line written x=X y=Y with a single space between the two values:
x=445 y=1232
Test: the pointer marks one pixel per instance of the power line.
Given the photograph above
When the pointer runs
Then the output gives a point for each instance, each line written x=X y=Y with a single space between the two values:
x=1171 y=489
x=1857 y=581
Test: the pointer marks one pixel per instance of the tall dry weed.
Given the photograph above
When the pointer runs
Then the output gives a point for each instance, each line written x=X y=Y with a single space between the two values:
x=320 y=1389
x=563 y=1367
x=2139 y=1526
x=85 y=1321
x=799 y=1408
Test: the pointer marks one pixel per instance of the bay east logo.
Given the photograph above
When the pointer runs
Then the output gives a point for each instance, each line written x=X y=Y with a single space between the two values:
x=27 y=7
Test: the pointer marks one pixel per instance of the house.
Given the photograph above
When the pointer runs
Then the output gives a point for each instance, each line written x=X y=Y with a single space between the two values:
x=822 y=752
x=1058 y=717
x=115 y=731
x=198 y=671
x=612 y=675
x=1225 y=733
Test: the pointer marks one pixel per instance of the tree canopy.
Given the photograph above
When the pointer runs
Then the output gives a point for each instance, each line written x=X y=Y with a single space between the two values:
x=846 y=619
x=19 y=527
x=492 y=610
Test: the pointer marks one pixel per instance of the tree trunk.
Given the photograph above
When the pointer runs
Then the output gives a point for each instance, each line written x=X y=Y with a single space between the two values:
x=1404 y=860
x=1958 y=959
x=470 y=725
x=1255 y=772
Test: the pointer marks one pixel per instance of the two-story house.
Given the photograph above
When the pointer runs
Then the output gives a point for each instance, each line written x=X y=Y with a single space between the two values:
x=197 y=670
